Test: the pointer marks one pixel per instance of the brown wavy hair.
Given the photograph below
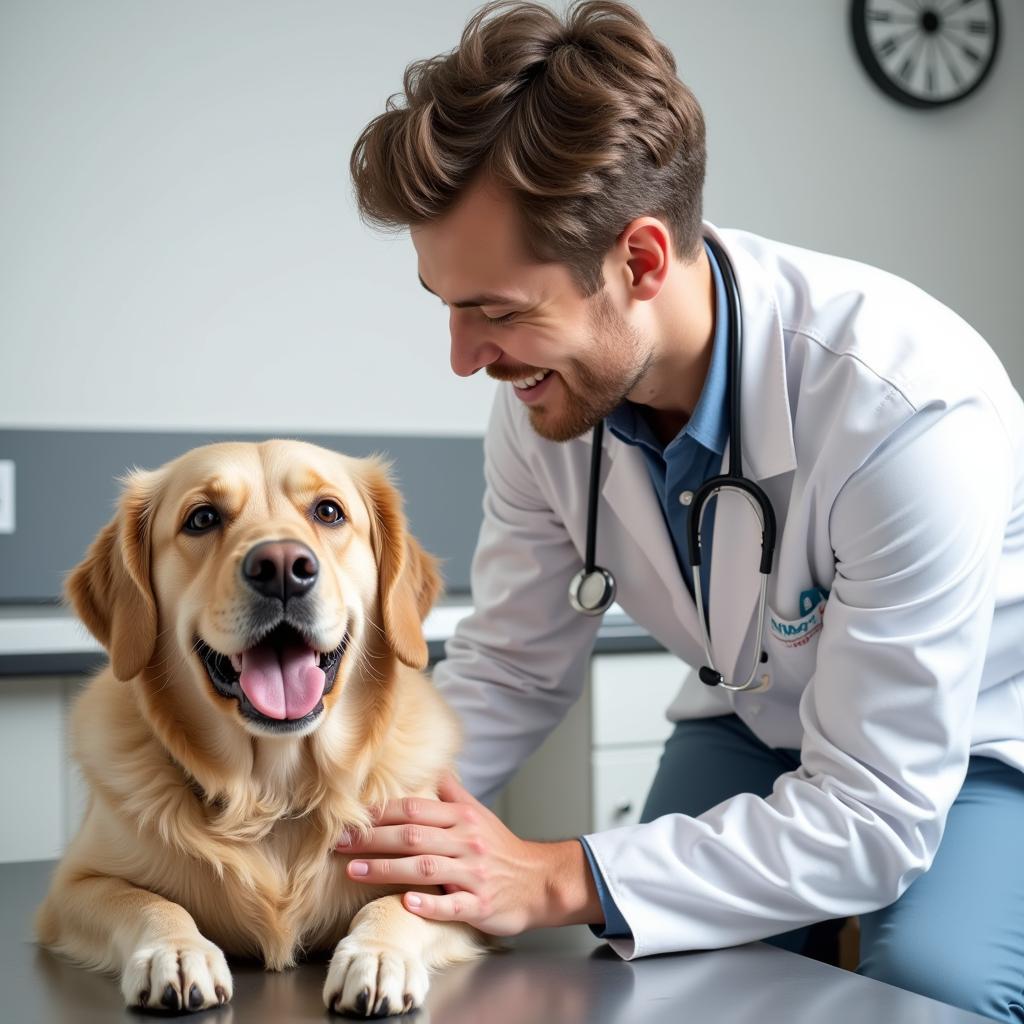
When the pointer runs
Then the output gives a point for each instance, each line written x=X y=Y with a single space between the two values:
x=582 y=118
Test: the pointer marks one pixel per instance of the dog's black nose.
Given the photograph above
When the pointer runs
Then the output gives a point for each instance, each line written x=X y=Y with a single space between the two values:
x=280 y=568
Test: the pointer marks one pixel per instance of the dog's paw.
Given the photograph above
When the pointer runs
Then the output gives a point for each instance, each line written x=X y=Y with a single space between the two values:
x=186 y=975
x=366 y=980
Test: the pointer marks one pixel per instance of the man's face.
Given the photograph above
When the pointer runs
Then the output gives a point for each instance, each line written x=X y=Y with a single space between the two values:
x=520 y=319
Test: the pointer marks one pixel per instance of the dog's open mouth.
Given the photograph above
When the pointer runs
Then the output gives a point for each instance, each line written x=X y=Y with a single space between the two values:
x=279 y=682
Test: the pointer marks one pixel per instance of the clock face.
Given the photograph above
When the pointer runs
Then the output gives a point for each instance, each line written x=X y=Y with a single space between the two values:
x=926 y=53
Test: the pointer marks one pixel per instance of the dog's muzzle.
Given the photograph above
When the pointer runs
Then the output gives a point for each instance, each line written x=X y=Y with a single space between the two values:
x=279 y=682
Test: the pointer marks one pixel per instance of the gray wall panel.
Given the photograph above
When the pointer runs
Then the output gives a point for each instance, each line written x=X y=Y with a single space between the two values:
x=66 y=486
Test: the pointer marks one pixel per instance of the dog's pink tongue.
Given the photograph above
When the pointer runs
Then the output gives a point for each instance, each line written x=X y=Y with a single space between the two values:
x=282 y=684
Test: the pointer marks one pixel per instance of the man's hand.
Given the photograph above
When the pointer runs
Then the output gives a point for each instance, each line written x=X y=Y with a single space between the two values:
x=492 y=879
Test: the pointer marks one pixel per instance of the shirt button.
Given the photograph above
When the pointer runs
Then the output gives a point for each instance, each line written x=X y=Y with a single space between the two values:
x=685 y=497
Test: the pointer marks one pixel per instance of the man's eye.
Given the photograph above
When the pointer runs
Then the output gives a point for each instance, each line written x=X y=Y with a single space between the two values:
x=499 y=319
x=328 y=512
x=201 y=519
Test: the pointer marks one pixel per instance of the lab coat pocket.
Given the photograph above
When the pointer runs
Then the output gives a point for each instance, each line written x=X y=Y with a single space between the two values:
x=793 y=643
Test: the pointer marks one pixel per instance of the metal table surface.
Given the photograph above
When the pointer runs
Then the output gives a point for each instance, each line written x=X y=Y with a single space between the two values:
x=563 y=976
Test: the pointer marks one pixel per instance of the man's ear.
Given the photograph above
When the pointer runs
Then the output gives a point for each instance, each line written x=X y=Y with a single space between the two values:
x=111 y=590
x=408 y=579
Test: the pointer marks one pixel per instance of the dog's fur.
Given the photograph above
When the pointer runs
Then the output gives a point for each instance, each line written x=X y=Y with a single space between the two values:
x=206 y=832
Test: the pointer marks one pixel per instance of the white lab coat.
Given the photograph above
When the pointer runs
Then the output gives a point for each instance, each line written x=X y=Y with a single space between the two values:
x=891 y=444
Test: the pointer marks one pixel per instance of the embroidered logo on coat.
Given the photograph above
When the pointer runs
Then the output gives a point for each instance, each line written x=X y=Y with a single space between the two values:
x=797 y=632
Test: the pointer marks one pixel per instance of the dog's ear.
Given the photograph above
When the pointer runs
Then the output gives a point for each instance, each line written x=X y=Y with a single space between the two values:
x=409 y=580
x=111 y=591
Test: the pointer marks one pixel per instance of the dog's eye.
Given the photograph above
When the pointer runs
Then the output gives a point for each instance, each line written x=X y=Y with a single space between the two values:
x=202 y=519
x=328 y=512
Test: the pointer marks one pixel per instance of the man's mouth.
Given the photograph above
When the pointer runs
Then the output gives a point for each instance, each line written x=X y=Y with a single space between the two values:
x=279 y=682
x=530 y=382
x=532 y=389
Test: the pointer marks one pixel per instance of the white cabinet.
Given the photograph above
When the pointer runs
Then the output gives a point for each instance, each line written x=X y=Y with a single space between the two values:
x=629 y=695
x=593 y=772
x=40 y=802
x=620 y=779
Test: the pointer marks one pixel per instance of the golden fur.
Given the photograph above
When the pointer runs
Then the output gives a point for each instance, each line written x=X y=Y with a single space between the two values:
x=203 y=833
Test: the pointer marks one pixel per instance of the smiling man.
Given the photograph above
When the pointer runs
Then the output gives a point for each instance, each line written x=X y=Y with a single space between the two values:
x=571 y=357
x=863 y=747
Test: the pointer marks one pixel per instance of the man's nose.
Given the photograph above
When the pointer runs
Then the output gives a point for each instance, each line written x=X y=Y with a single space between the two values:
x=281 y=569
x=471 y=351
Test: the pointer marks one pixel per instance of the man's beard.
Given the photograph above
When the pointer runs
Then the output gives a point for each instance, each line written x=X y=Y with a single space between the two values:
x=596 y=390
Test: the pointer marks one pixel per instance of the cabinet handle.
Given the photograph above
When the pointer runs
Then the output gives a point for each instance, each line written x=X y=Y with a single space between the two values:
x=623 y=809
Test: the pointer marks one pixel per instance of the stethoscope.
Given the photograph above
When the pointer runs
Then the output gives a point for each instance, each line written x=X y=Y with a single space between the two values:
x=592 y=590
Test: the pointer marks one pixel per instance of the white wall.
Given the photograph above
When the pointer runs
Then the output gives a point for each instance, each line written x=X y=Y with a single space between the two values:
x=179 y=248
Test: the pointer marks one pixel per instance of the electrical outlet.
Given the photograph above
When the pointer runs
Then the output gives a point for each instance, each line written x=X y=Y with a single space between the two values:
x=6 y=496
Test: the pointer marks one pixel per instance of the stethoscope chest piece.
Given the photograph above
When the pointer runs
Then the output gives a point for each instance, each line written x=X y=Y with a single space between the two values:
x=592 y=591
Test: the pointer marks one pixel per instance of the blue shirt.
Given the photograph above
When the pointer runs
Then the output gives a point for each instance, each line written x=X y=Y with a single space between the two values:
x=678 y=469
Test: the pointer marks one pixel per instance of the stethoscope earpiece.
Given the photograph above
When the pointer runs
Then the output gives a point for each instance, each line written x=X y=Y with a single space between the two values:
x=709 y=676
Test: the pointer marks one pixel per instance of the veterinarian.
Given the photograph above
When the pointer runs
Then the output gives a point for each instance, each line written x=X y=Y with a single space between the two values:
x=861 y=751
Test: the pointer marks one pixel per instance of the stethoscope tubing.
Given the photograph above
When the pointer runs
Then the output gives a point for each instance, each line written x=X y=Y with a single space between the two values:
x=708 y=673
x=592 y=589
x=592 y=498
x=593 y=577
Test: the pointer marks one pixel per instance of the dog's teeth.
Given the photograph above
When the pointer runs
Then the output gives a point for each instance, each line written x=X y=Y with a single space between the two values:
x=236 y=662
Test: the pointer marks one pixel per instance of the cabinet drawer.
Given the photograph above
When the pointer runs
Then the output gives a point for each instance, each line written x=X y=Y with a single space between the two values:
x=31 y=765
x=630 y=693
x=621 y=779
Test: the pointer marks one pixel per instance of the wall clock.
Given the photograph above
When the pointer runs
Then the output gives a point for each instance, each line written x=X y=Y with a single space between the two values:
x=926 y=53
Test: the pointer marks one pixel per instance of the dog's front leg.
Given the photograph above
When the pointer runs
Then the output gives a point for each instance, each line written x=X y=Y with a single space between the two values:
x=111 y=925
x=381 y=966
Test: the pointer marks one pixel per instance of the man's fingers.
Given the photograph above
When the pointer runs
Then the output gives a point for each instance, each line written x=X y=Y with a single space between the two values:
x=419 y=810
x=424 y=870
x=451 y=791
x=405 y=838
x=456 y=906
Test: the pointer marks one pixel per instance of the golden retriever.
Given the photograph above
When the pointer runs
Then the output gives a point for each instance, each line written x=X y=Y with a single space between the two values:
x=262 y=606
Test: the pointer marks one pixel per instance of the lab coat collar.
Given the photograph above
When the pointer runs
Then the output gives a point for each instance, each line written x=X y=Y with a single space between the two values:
x=768 y=448
x=765 y=417
x=768 y=451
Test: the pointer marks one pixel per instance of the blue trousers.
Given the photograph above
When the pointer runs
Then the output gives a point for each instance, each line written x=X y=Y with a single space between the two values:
x=957 y=934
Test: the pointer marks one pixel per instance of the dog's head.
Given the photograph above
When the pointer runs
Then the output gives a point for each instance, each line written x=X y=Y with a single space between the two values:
x=262 y=572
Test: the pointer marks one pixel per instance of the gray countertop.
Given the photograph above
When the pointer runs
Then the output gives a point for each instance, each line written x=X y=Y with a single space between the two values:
x=556 y=977
x=47 y=639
